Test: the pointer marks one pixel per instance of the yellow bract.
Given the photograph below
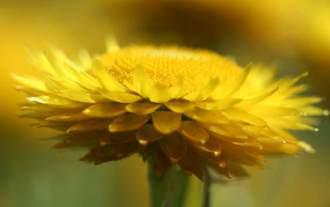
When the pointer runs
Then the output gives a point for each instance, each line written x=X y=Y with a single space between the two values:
x=173 y=105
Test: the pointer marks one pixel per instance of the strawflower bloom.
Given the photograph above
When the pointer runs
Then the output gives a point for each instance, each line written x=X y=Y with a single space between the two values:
x=171 y=105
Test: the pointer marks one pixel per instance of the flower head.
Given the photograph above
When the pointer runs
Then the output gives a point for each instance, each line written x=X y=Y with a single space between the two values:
x=171 y=105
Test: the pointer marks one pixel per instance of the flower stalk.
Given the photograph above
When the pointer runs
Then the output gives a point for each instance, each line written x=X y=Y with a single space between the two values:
x=168 y=190
x=207 y=189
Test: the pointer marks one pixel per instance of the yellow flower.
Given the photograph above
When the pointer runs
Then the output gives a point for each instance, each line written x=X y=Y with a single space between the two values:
x=171 y=105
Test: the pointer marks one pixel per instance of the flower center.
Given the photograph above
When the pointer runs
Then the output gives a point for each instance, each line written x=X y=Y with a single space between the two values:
x=171 y=65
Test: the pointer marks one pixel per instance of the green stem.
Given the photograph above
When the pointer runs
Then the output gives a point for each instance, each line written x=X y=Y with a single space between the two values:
x=168 y=190
x=207 y=189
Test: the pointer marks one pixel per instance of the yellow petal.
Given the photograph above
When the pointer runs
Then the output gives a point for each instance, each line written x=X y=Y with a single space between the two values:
x=227 y=131
x=303 y=101
x=207 y=116
x=87 y=81
x=105 y=110
x=251 y=145
x=142 y=108
x=85 y=59
x=194 y=132
x=160 y=94
x=314 y=111
x=173 y=146
x=219 y=104
x=287 y=83
x=276 y=110
x=140 y=81
x=166 y=122
x=41 y=60
x=261 y=96
x=147 y=134
x=128 y=122
x=179 y=106
x=54 y=101
x=290 y=149
x=204 y=93
x=30 y=83
x=108 y=82
x=306 y=147
x=112 y=44
x=240 y=115
x=271 y=141
x=79 y=96
x=121 y=97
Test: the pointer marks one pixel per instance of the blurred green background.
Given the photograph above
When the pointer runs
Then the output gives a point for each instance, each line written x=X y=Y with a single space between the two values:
x=293 y=35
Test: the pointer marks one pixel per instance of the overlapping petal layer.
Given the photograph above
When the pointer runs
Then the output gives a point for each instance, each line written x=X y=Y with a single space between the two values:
x=174 y=105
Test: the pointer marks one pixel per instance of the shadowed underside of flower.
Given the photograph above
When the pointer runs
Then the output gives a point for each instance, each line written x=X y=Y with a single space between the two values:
x=176 y=106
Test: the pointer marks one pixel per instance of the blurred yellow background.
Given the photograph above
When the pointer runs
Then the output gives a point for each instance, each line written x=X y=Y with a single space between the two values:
x=293 y=35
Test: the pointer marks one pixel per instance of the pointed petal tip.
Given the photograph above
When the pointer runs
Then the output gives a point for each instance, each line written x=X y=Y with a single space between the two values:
x=308 y=148
x=326 y=112
x=111 y=44
x=143 y=142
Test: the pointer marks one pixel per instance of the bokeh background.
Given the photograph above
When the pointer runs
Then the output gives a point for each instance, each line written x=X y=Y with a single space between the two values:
x=292 y=35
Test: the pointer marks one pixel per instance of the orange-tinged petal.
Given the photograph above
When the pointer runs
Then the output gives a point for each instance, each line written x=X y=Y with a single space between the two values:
x=166 y=122
x=230 y=169
x=211 y=147
x=107 y=153
x=147 y=134
x=191 y=163
x=89 y=125
x=68 y=117
x=128 y=122
x=117 y=138
x=194 y=132
x=173 y=146
x=88 y=139
x=105 y=110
